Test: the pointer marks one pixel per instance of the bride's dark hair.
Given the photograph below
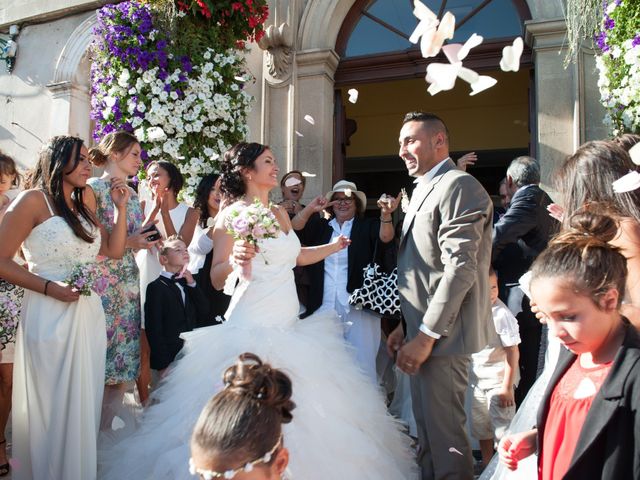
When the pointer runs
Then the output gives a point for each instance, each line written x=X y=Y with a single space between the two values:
x=244 y=421
x=240 y=157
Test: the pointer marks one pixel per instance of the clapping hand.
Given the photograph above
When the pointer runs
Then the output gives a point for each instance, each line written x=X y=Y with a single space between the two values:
x=160 y=195
x=388 y=204
x=467 y=160
x=120 y=192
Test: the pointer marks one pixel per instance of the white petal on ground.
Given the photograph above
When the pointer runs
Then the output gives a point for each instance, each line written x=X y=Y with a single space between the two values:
x=353 y=95
x=628 y=183
x=510 y=61
x=309 y=119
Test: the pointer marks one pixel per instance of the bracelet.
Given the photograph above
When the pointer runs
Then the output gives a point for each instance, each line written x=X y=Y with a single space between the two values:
x=46 y=285
x=386 y=221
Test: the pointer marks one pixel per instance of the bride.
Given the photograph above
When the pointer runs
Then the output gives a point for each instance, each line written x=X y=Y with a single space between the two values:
x=341 y=430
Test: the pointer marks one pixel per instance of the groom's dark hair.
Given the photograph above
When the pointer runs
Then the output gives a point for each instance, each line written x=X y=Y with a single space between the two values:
x=431 y=120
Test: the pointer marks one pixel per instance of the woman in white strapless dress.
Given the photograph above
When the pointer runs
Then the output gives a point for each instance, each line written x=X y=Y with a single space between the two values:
x=61 y=338
x=341 y=430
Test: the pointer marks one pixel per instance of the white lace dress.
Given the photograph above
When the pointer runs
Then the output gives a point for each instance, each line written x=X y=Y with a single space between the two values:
x=59 y=363
x=340 y=429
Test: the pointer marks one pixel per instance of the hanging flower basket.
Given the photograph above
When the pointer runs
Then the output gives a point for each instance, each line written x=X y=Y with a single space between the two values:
x=174 y=77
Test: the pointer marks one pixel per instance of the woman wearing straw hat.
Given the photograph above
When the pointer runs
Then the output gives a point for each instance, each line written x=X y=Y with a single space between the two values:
x=334 y=279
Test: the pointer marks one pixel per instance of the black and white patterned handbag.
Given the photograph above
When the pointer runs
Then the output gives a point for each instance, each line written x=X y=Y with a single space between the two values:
x=379 y=291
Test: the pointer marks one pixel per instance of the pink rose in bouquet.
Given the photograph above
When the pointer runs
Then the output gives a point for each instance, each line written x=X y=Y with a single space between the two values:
x=251 y=223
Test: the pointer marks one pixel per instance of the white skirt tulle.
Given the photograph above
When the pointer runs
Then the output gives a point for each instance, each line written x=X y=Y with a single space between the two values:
x=340 y=429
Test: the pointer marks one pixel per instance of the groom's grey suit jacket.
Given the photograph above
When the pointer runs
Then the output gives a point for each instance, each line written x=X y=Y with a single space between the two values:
x=443 y=262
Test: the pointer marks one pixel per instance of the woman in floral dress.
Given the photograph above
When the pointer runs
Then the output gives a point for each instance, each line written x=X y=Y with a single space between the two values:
x=118 y=280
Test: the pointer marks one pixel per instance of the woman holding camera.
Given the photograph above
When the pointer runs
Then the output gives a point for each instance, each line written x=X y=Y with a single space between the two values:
x=119 y=155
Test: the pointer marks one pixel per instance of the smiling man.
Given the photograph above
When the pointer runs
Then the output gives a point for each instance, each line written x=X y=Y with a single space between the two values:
x=443 y=271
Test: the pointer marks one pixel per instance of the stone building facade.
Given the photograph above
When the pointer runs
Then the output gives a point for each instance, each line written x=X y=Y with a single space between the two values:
x=302 y=69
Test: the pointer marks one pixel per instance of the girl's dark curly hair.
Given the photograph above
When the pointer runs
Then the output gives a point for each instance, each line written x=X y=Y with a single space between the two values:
x=241 y=156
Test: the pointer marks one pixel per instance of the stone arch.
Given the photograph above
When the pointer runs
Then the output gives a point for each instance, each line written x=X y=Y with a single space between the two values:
x=70 y=87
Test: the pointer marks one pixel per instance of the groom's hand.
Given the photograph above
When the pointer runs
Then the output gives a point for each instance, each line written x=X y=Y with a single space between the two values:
x=413 y=354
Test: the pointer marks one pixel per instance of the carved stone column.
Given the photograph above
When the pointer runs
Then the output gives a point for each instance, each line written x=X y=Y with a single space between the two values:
x=568 y=113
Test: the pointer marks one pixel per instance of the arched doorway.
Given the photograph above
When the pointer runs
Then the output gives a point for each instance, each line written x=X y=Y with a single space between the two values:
x=388 y=71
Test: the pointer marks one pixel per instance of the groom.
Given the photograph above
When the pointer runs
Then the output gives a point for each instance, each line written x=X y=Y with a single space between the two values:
x=443 y=273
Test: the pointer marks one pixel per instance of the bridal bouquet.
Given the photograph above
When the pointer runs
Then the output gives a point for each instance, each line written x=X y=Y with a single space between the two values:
x=251 y=223
x=82 y=278
x=8 y=320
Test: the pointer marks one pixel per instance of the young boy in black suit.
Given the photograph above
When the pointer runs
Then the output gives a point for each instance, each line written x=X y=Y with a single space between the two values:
x=173 y=304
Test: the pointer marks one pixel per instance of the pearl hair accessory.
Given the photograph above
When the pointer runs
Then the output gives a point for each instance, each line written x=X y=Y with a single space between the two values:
x=229 y=474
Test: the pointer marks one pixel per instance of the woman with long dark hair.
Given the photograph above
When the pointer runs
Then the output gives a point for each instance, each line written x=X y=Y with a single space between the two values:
x=61 y=340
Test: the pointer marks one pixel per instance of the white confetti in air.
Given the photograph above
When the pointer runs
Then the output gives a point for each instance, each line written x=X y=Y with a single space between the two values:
x=307 y=174
x=117 y=423
x=353 y=95
x=309 y=118
x=455 y=450
x=239 y=79
x=433 y=39
x=292 y=182
x=483 y=82
x=634 y=153
x=347 y=192
x=628 y=183
x=473 y=41
x=299 y=134
x=428 y=20
x=443 y=75
x=510 y=61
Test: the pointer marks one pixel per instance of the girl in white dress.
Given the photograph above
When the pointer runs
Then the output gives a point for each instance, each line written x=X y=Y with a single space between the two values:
x=164 y=181
x=341 y=430
x=61 y=339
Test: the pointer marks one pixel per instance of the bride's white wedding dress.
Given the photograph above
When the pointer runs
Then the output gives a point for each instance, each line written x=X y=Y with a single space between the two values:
x=340 y=428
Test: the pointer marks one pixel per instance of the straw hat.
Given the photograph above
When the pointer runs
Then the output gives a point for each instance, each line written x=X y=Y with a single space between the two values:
x=348 y=188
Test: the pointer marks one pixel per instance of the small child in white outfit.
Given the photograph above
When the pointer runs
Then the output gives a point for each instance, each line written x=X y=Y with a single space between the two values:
x=494 y=375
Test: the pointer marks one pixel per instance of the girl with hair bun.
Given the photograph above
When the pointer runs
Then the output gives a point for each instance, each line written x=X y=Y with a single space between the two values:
x=239 y=432
x=118 y=153
x=588 y=423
